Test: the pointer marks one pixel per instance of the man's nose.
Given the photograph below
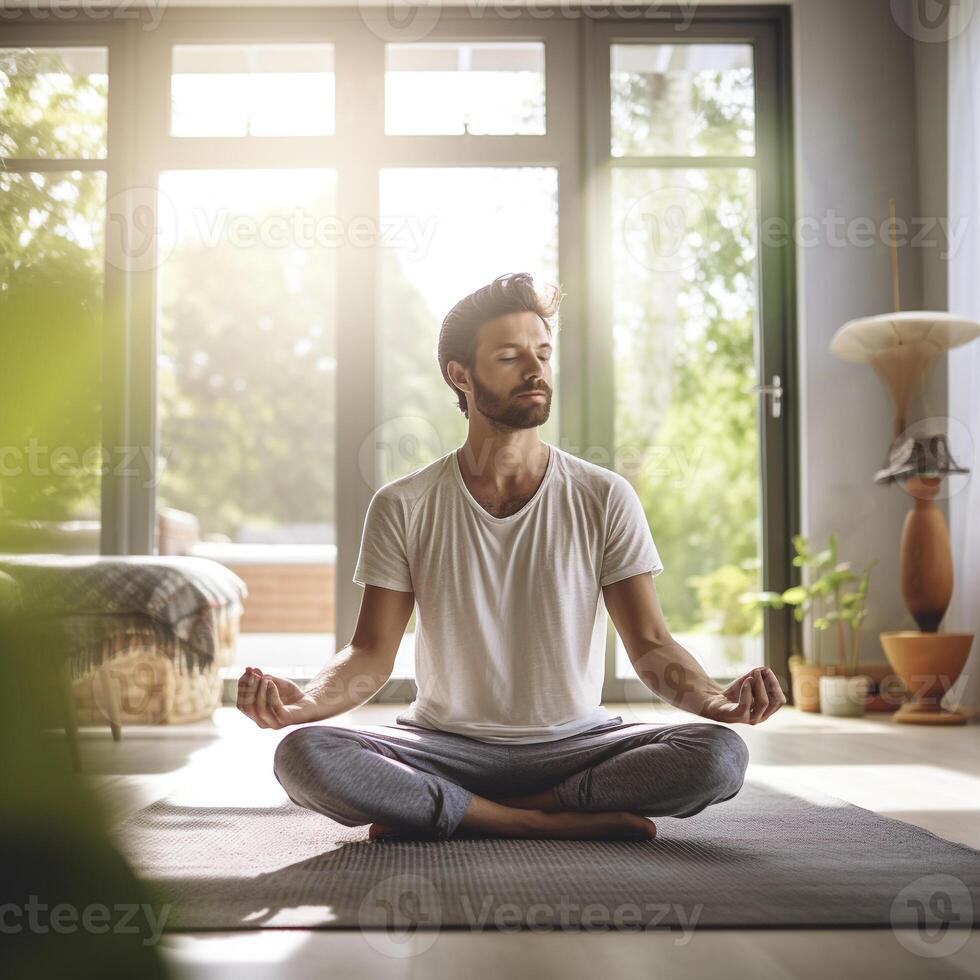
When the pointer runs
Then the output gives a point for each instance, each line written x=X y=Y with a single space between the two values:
x=535 y=367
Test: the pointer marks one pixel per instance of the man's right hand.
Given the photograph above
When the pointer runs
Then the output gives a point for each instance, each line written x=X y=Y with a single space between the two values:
x=273 y=702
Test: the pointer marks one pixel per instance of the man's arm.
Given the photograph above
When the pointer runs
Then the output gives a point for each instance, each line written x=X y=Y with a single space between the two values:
x=355 y=673
x=675 y=675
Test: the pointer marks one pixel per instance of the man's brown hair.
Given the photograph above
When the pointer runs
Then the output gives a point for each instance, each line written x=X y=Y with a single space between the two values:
x=514 y=292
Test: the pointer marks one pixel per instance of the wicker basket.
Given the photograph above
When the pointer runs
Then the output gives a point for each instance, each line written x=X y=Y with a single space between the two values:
x=154 y=689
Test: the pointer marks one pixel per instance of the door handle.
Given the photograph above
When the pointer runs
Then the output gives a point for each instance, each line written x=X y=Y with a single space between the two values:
x=775 y=391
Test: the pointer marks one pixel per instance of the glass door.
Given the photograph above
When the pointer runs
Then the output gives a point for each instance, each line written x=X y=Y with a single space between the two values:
x=687 y=171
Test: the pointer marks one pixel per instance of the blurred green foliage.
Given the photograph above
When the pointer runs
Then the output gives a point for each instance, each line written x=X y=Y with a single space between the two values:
x=51 y=272
x=685 y=350
x=55 y=847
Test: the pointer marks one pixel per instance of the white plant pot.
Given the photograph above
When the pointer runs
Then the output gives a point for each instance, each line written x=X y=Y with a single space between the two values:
x=844 y=697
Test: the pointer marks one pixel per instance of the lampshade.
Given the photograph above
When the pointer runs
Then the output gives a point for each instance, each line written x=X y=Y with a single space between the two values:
x=900 y=346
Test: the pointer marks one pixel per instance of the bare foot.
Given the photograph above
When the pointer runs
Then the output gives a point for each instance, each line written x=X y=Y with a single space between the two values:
x=377 y=830
x=610 y=825
x=488 y=818
x=543 y=800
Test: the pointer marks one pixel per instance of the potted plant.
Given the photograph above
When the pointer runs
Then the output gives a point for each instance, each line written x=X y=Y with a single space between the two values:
x=833 y=598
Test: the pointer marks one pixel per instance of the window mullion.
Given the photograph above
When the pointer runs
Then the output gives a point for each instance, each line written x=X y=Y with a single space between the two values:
x=359 y=70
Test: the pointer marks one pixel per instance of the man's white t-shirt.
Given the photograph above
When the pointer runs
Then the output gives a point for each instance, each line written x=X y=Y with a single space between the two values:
x=510 y=626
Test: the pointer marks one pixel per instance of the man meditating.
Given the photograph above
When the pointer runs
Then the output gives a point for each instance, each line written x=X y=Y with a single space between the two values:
x=513 y=550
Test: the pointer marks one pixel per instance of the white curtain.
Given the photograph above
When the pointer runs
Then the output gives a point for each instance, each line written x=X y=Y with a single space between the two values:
x=964 y=362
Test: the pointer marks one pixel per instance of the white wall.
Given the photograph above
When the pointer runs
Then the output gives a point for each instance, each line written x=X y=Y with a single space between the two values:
x=855 y=148
x=964 y=367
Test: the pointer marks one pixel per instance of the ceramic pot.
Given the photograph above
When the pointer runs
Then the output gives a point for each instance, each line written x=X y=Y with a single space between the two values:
x=929 y=664
x=805 y=682
x=844 y=696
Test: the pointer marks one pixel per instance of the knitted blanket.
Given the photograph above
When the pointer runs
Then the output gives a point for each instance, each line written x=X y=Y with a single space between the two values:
x=100 y=605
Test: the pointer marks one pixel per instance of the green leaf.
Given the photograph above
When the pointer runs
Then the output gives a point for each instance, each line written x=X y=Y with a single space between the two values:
x=794 y=596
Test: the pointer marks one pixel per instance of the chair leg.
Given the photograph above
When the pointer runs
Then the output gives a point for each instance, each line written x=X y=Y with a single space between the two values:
x=111 y=701
x=71 y=724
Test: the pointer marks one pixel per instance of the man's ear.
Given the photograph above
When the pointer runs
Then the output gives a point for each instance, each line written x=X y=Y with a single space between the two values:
x=457 y=374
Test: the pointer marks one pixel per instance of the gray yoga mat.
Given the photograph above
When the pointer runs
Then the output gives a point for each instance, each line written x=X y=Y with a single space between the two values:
x=764 y=859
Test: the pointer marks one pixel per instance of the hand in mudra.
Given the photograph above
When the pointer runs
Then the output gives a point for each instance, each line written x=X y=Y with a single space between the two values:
x=272 y=702
x=749 y=699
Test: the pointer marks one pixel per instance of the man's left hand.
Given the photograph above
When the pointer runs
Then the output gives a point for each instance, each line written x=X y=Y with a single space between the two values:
x=749 y=699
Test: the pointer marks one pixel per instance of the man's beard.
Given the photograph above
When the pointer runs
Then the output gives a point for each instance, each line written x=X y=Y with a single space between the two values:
x=513 y=412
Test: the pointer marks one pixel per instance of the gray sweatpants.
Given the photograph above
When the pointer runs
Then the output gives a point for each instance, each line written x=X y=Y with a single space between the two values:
x=417 y=778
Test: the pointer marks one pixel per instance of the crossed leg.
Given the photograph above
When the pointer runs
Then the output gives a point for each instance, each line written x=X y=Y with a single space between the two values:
x=440 y=784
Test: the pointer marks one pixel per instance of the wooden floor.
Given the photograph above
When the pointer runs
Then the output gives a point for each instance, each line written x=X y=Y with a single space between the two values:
x=926 y=776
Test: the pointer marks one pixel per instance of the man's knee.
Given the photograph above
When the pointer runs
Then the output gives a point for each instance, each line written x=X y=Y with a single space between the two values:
x=723 y=762
x=299 y=753
x=303 y=764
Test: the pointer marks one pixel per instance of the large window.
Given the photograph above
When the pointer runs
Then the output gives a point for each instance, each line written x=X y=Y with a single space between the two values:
x=685 y=303
x=291 y=214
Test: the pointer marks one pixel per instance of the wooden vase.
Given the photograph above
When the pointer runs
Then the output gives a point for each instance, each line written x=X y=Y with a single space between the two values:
x=926 y=558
